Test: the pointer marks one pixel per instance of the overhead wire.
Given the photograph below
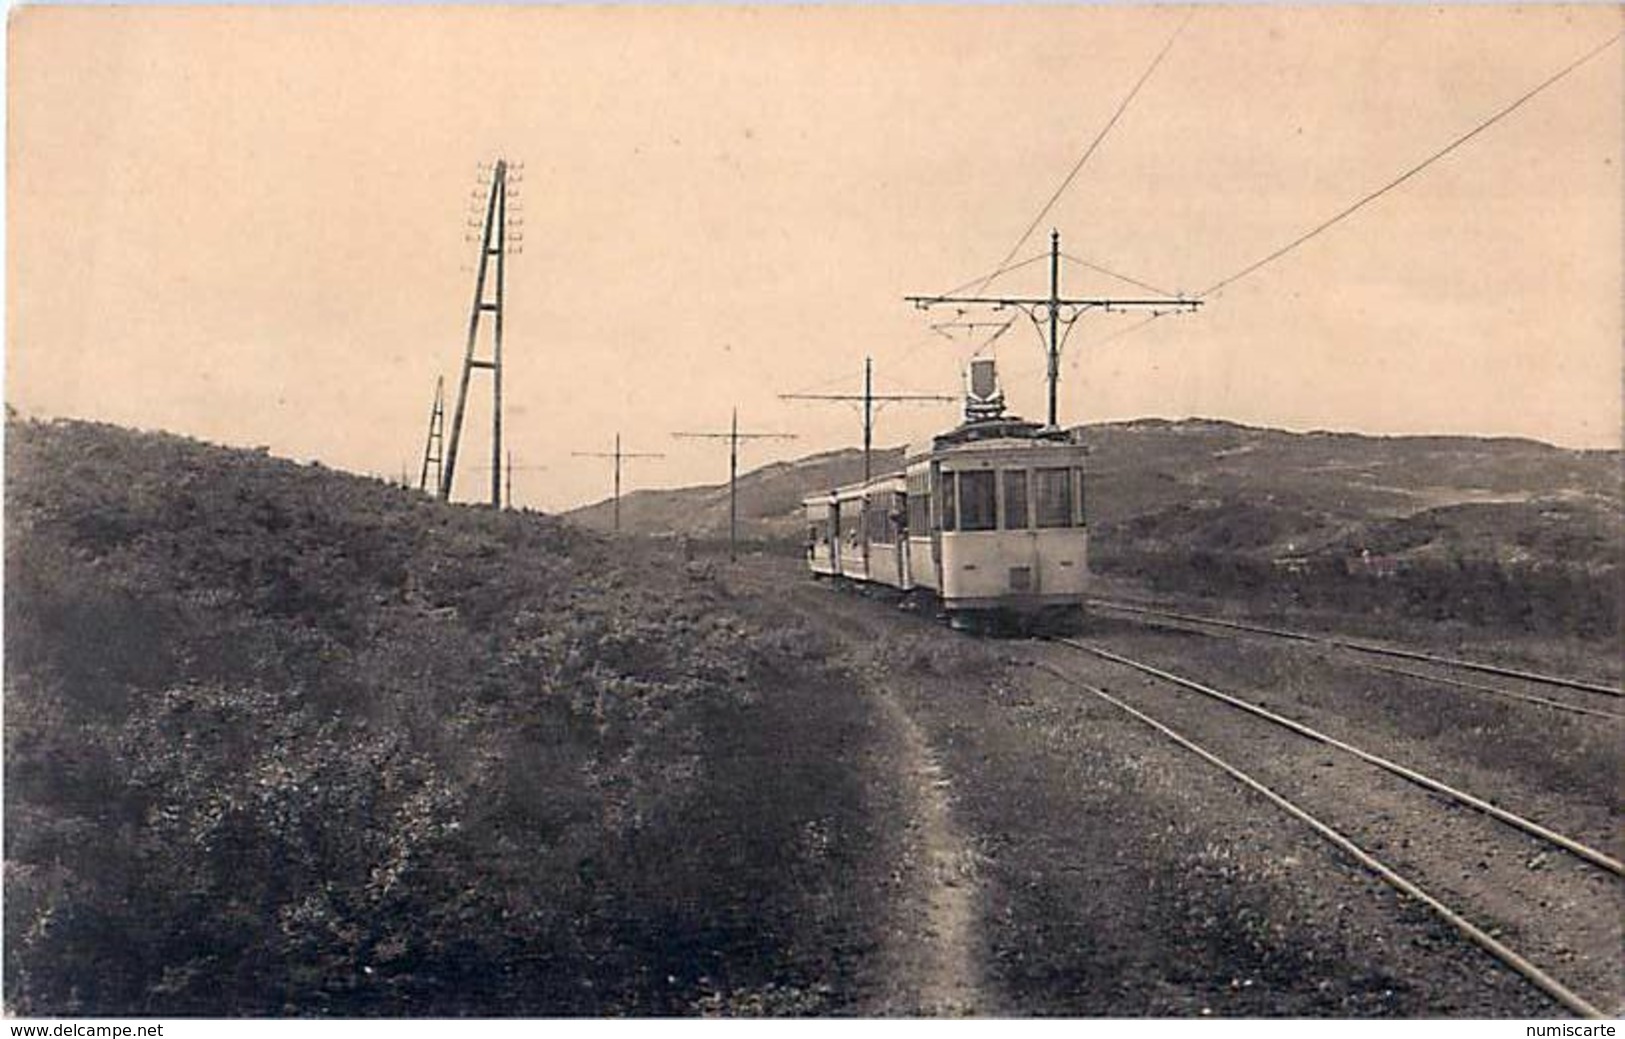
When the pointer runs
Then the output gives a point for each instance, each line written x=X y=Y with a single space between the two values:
x=823 y=383
x=994 y=337
x=1408 y=174
x=982 y=281
x=1325 y=225
x=1122 y=332
x=910 y=351
x=915 y=348
x=1137 y=283
x=1005 y=266
x=1083 y=159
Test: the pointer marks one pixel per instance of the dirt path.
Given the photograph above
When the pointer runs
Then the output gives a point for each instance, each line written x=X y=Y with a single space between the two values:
x=932 y=952
x=1048 y=855
x=932 y=949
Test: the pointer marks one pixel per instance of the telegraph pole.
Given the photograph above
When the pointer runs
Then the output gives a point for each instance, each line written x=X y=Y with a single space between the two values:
x=869 y=399
x=733 y=436
x=434 y=449
x=493 y=246
x=1059 y=310
x=505 y=475
x=617 y=454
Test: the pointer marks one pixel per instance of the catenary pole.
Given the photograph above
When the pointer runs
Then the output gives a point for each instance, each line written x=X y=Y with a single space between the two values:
x=1059 y=310
x=617 y=455
x=734 y=436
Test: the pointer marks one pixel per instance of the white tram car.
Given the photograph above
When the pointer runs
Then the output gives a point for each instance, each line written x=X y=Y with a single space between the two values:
x=988 y=521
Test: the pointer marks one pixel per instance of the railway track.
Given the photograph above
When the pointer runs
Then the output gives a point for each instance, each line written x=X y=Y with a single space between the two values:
x=1359 y=648
x=1455 y=918
x=1489 y=690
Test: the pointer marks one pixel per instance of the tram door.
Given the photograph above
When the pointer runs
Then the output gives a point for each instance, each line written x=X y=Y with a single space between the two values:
x=835 y=537
x=940 y=490
x=902 y=540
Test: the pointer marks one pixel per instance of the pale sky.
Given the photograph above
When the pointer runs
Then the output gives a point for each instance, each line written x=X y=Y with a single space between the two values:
x=247 y=225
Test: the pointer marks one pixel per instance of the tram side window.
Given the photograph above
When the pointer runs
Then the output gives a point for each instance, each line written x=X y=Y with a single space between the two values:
x=1015 y=499
x=949 y=518
x=976 y=510
x=876 y=519
x=1053 y=489
x=852 y=522
x=918 y=518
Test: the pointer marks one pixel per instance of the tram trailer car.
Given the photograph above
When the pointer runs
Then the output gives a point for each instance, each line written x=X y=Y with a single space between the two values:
x=885 y=531
x=851 y=503
x=858 y=532
x=988 y=521
x=822 y=537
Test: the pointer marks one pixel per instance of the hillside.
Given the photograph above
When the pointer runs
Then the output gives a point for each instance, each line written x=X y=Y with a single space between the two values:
x=769 y=499
x=1501 y=532
x=285 y=741
x=1144 y=467
x=1215 y=507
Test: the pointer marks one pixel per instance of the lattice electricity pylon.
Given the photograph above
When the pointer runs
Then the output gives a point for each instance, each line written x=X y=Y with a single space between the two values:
x=617 y=454
x=494 y=244
x=733 y=436
x=1059 y=310
x=434 y=447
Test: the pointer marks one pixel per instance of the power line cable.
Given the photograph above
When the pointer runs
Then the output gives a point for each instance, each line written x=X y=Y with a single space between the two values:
x=1120 y=277
x=1408 y=174
x=1348 y=211
x=1077 y=167
x=982 y=281
x=993 y=339
x=925 y=341
x=1120 y=333
x=908 y=352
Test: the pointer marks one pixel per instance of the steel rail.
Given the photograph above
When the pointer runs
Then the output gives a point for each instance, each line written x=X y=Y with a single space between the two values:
x=1507 y=694
x=1556 y=705
x=1529 y=826
x=1368 y=647
x=1523 y=967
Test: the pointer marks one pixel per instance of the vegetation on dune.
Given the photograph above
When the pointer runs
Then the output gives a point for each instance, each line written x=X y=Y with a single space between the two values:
x=281 y=741
x=1529 y=568
x=1499 y=532
x=1504 y=533
x=769 y=500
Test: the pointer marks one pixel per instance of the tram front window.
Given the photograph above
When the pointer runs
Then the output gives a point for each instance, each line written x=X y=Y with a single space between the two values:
x=976 y=510
x=1015 y=499
x=1053 y=489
